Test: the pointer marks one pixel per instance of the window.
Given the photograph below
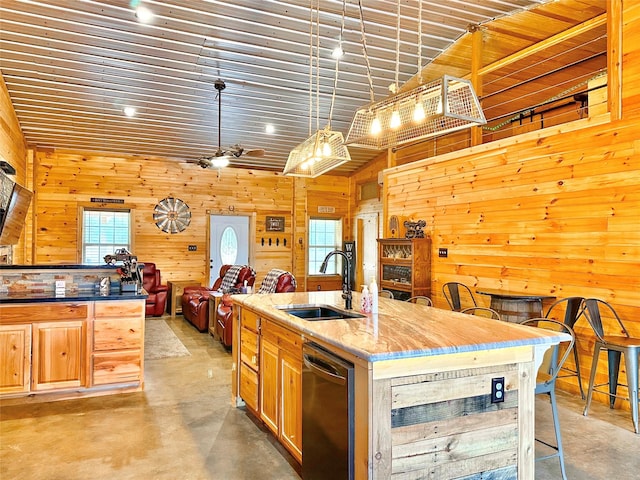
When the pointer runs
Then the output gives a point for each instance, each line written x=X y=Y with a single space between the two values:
x=229 y=246
x=325 y=235
x=103 y=232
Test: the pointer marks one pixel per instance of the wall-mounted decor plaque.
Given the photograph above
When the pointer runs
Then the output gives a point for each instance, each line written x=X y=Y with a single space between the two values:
x=275 y=224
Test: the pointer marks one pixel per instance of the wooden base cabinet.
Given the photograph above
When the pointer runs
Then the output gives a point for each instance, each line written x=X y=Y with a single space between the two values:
x=269 y=365
x=281 y=384
x=58 y=355
x=291 y=402
x=57 y=347
x=118 y=343
x=248 y=365
x=15 y=358
x=268 y=359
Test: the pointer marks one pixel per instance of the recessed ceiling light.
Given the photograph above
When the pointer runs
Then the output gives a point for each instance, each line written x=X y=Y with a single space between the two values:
x=337 y=52
x=129 y=111
x=144 y=15
x=269 y=128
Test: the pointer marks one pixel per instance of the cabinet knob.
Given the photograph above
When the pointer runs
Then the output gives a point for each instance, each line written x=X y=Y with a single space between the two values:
x=254 y=360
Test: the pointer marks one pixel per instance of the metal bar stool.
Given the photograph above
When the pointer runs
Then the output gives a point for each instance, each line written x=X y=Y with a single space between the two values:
x=385 y=294
x=482 y=312
x=455 y=293
x=594 y=310
x=548 y=386
x=571 y=308
x=421 y=300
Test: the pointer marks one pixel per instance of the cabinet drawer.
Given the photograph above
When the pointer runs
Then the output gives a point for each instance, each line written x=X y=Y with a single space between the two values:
x=249 y=387
x=249 y=348
x=43 y=312
x=120 y=308
x=283 y=337
x=117 y=334
x=116 y=367
x=250 y=320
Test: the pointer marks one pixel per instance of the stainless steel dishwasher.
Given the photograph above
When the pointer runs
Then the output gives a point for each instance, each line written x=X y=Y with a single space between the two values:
x=327 y=415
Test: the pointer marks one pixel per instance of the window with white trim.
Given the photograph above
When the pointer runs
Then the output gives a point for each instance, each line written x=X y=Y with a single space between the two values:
x=325 y=235
x=103 y=232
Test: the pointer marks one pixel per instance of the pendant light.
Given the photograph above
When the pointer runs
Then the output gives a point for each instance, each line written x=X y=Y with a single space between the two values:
x=436 y=108
x=325 y=149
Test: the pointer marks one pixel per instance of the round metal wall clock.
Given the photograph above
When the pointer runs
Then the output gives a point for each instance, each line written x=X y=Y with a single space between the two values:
x=172 y=215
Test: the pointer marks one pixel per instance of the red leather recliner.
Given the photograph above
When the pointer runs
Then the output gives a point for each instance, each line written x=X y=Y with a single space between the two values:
x=285 y=283
x=195 y=299
x=157 y=299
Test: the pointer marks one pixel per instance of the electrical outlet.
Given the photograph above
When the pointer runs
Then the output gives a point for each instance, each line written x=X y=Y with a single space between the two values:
x=443 y=252
x=497 y=390
x=193 y=248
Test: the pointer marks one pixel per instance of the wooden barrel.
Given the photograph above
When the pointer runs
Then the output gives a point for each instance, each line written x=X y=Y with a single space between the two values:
x=517 y=310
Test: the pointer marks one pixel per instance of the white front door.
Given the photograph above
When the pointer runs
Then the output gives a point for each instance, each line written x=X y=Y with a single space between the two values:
x=228 y=242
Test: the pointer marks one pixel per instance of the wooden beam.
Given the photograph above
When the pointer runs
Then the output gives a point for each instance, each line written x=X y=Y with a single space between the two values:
x=476 y=79
x=614 y=58
x=543 y=45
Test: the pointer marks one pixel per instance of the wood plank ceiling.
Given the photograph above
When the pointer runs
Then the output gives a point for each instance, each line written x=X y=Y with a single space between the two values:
x=72 y=66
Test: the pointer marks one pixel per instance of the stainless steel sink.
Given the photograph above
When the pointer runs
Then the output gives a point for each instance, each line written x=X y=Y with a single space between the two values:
x=318 y=312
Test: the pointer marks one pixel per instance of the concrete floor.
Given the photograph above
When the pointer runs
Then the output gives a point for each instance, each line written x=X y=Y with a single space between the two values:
x=182 y=427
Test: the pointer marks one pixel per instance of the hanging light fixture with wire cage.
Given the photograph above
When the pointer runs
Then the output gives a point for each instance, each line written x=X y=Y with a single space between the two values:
x=325 y=149
x=429 y=110
x=432 y=109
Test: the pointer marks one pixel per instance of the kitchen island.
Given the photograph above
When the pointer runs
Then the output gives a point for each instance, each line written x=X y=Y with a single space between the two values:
x=423 y=381
x=68 y=344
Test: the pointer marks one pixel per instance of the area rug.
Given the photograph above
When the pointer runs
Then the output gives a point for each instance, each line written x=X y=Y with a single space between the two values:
x=161 y=342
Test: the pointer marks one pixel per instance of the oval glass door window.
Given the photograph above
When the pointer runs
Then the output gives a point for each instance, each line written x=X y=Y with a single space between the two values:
x=229 y=246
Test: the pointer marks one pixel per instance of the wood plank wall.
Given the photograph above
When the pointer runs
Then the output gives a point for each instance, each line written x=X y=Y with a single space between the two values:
x=66 y=180
x=554 y=212
x=549 y=212
x=13 y=149
x=311 y=195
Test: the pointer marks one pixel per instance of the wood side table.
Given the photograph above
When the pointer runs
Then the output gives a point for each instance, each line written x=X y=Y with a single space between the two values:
x=176 y=289
x=214 y=301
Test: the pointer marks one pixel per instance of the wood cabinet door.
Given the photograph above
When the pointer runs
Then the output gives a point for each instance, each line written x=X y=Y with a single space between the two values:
x=58 y=355
x=249 y=387
x=291 y=403
x=269 y=384
x=15 y=358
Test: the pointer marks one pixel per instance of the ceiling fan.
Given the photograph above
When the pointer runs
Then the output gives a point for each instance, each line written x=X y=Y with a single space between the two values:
x=221 y=158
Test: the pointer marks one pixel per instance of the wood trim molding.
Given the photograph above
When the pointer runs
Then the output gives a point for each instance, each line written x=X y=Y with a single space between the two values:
x=549 y=42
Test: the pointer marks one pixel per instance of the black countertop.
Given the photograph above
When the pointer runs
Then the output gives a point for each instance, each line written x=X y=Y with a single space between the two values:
x=68 y=297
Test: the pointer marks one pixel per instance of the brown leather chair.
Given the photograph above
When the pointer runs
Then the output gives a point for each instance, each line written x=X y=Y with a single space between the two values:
x=157 y=299
x=284 y=283
x=195 y=299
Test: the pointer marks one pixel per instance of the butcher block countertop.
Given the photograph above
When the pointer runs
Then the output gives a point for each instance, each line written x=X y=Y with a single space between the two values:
x=400 y=329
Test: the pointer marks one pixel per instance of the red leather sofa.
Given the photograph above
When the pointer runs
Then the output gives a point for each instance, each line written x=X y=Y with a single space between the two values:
x=157 y=299
x=195 y=299
x=286 y=282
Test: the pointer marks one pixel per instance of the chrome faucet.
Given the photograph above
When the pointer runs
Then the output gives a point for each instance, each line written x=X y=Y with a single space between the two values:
x=346 y=279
